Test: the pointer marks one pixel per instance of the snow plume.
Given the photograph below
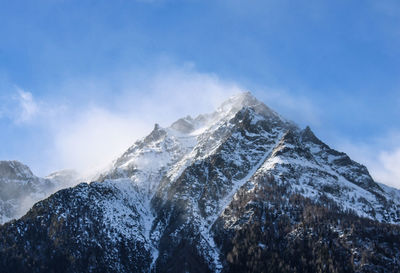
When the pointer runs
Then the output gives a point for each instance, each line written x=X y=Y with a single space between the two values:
x=90 y=137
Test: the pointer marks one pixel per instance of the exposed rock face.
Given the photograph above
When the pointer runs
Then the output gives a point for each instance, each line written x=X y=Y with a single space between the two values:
x=237 y=190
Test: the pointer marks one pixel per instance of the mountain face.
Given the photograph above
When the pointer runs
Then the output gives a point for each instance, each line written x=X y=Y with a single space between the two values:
x=20 y=188
x=238 y=190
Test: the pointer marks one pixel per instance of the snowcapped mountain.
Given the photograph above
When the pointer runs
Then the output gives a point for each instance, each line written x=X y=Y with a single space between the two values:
x=20 y=188
x=229 y=191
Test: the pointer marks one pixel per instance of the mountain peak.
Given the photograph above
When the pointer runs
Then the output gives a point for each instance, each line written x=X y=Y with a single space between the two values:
x=246 y=100
x=308 y=135
x=226 y=110
x=237 y=102
x=14 y=170
x=184 y=125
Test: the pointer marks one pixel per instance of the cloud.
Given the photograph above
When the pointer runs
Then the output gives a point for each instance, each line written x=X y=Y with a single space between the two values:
x=388 y=170
x=181 y=91
x=18 y=105
x=93 y=138
x=22 y=107
x=89 y=136
x=28 y=108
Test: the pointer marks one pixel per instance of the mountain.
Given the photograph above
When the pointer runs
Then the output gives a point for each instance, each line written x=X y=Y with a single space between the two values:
x=20 y=188
x=238 y=190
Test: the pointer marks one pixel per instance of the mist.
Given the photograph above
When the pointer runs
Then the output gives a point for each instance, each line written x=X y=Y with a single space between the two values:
x=87 y=134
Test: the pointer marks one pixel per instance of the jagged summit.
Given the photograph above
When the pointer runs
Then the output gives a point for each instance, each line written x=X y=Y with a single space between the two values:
x=226 y=110
x=244 y=101
x=184 y=125
x=237 y=102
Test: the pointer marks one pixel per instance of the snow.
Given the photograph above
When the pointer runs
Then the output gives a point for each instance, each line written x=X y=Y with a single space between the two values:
x=238 y=184
x=208 y=244
x=392 y=192
x=324 y=174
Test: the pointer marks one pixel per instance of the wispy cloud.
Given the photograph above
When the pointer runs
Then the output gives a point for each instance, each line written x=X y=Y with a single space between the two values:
x=93 y=138
x=88 y=138
x=18 y=105
x=27 y=106
x=388 y=170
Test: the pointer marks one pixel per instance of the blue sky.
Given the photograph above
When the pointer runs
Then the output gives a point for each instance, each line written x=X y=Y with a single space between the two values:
x=73 y=71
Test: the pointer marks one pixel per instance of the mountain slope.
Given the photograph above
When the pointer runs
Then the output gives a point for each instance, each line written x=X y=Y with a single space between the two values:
x=186 y=198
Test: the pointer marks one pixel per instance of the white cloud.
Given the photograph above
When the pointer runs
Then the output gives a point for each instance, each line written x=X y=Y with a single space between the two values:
x=93 y=138
x=28 y=108
x=388 y=170
x=18 y=105
x=177 y=92
x=90 y=137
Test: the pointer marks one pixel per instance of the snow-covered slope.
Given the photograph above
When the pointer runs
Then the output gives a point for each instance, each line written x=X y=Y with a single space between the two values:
x=170 y=202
